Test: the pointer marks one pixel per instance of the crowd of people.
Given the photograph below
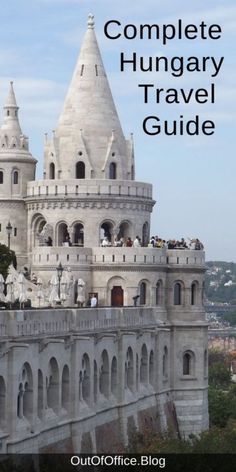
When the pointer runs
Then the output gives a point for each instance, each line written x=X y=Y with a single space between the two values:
x=155 y=241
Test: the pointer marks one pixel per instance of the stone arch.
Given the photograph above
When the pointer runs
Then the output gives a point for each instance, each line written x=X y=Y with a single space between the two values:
x=129 y=369
x=104 y=374
x=52 y=171
x=113 y=171
x=159 y=293
x=65 y=388
x=52 y=384
x=38 y=223
x=2 y=402
x=95 y=381
x=116 y=291
x=144 y=365
x=40 y=394
x=194 y=293
x=25 y=393
x=125 y=230
x=62 y=233
x=165 y=362
x=188 y=363
x=114 y=376
x=145 y=234
x=86 y=379
x=151 y=368
x=80 y=170
x=106 y=231
x=20 y=401
x=78 y=233
x=178 y=292
x=144 y=292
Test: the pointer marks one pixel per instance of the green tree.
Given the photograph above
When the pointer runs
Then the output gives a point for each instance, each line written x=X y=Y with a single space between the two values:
x=7 y=258
x=219 y=375
x=219 y=407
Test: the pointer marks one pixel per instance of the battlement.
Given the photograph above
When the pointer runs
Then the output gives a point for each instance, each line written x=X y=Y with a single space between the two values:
x=62 y=321
x=45 y=255
x=73 y=188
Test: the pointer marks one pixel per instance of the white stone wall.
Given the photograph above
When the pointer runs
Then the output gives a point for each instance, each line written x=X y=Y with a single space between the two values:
x=76 y=373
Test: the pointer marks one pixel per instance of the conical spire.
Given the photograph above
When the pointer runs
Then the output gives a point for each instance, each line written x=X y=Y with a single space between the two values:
x=11 y=122
x=11 y=98
x=89 y=106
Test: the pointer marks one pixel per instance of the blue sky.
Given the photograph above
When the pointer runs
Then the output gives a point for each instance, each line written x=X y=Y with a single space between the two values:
x=193 y=177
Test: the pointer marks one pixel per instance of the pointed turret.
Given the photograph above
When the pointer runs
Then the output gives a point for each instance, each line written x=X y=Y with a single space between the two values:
x=11 y=122
x=89 y=106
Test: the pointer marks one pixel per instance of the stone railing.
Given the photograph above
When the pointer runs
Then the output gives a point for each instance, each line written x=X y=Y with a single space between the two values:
x=51 y=256
x=75 y=321
x=74 y=188
x=74 y=256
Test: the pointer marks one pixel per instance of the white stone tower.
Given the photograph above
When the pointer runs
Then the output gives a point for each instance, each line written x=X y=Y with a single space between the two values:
x=88 y=188
x=17 y=168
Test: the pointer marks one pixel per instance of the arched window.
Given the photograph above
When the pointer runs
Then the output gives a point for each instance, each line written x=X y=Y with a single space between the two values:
x=27 y=391
x=40 y=394
x=177 y=294
x=80 y=170
x=53 y=385
x=112 y=170
x=95 y=381
x=52 y=171
x=106 y=231
x=143 y=294
x=65 y=388
x=79 y=234
x=151 y=368
x=1 y=177
x=129 y=369
x=188 y=363
x=165 y=363
x=159 y=292
x=193 y=293
x=86 y=378
x=114 y=380
x=63 y=237
x=104 y=374
x=144 y=365
x=15 y=177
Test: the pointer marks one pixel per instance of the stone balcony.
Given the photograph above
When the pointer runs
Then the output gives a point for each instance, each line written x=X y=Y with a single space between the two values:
x=75 y=256
x=88 y=188
x=56 y=322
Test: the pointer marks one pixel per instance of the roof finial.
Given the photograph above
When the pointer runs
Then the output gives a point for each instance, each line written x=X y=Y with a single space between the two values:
x=91 y=22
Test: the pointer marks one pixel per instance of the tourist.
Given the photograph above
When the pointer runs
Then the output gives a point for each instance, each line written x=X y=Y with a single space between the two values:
x=105 y=242
x=136 y=242
x=93 y=301
x=129 y=242
x=49 y=241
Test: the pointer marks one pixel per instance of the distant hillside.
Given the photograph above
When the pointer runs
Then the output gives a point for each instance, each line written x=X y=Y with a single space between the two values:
x=220 y=281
